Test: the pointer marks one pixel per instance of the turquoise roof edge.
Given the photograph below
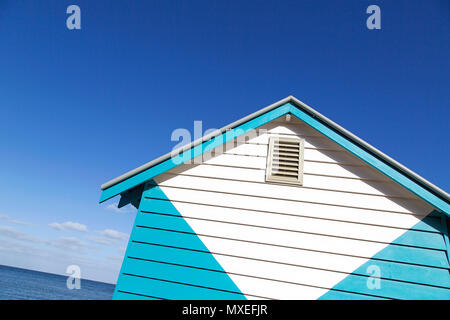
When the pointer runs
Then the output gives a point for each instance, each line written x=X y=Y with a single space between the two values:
x=193 y=152
x=381 y=166
x=259 y=120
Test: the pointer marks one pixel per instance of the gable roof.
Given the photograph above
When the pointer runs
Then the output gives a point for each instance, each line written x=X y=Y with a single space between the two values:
x=290 y=105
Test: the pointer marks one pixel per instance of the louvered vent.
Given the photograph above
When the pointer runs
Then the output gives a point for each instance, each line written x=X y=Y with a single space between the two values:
x=285 y=160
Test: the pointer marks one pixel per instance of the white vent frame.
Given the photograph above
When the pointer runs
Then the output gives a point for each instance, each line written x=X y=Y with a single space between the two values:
x=288 y=175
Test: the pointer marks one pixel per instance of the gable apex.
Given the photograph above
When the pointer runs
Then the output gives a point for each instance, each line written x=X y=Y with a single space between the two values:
x=289 y=105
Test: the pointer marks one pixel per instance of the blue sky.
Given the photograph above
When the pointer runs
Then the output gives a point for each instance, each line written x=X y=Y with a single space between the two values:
x=79 y=107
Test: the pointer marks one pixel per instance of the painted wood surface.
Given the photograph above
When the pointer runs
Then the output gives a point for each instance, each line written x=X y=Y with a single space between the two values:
x=214 y=229
x=303 y=240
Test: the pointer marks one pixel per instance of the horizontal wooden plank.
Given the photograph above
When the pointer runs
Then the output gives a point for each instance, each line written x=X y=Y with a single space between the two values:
x=344 y=171
x=316 y=142
x=275 y=270
x=386 y=189
x=295 y=193
x=310 y=167
x=296 y=256
x=356 y=215
x=299 y=129
x=341 y=295
x=171 y=290
x=295 y=223
x=246 y=250
x=236 y=161
x=121 y=295
x=287 y=239
x=249 y=286
x=395 y=289
x=168 y=271
x=259 y=150
x=288 y=255
x=290 y=282
x=313 y=241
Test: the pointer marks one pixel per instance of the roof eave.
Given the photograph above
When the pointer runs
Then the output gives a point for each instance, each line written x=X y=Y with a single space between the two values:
x=207 y=137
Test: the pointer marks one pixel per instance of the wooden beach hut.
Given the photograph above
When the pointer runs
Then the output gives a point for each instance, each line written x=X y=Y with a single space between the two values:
x=282 y=204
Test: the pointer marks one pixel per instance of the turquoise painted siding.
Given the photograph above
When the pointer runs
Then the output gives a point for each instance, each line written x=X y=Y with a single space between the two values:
x=165 y=259
x=423 y=274
x=414 y=266
x=152 y=269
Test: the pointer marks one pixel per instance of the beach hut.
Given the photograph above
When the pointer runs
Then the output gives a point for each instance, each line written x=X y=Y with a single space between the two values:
x=282 y=204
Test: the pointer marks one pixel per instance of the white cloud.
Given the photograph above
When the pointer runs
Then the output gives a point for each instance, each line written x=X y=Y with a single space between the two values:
x=66 y=243
x=10 y=220
x=99 y=240
x=69 y=225
x=10 y=232
x=114 y=234
x=56 y=226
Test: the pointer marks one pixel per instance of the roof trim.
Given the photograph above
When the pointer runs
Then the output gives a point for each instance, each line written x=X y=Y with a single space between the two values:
x=207 y=137
x=374 y=150
x=291 y=105
x=168 y=161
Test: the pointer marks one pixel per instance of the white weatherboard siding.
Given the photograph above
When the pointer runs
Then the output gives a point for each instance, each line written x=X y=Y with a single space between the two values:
x=288 y=241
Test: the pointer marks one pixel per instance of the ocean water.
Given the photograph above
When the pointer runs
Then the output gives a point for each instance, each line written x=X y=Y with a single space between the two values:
x=25 y=284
